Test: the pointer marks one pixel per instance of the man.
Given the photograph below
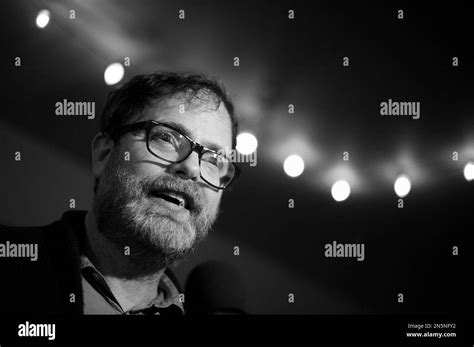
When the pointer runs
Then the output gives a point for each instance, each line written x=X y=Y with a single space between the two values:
x=160 y=171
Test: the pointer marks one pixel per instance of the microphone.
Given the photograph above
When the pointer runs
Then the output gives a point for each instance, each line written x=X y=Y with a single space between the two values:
x=214 y=287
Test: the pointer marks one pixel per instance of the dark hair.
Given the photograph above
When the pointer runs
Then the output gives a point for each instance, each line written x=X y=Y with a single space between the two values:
x=132 y=98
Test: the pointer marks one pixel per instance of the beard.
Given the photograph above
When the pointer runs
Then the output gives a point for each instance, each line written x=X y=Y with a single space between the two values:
x=128 y=215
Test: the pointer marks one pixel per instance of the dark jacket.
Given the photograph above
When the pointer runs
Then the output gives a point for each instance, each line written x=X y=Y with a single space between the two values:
x=52 y=283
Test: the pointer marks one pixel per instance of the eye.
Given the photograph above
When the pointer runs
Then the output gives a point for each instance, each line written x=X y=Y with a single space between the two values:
x=216 y=160
x=165 y=137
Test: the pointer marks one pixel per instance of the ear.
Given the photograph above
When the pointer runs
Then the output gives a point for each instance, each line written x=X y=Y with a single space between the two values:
x=101 y=148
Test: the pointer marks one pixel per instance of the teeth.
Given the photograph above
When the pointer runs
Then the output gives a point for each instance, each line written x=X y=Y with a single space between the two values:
x=177 y=197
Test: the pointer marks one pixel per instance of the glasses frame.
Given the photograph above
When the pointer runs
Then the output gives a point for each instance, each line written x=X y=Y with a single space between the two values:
x=148 y=125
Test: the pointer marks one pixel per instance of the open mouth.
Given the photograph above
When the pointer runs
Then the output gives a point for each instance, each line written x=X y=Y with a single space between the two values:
x=180 y=199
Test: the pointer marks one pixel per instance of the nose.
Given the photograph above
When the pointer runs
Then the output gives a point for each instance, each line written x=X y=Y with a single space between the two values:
x=188 y=168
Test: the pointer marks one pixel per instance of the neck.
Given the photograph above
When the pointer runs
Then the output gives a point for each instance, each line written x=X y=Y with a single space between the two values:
x=118 y=270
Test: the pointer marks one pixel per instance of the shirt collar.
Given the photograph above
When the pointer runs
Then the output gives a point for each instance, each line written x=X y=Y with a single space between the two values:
x=167 y=293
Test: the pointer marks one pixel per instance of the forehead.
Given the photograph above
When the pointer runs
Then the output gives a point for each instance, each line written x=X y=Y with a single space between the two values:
x=202 y=120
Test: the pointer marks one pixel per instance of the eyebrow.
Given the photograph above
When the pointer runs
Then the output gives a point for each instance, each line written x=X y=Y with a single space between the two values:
x=185 y=131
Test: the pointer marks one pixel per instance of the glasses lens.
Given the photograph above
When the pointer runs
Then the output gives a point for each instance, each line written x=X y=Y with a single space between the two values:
x=168 y=144
x=217 y=169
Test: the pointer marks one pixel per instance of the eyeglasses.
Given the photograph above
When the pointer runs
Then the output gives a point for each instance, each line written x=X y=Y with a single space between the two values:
x=171 y=145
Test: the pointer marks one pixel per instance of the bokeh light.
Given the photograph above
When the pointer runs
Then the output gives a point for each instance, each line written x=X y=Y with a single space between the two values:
x=42 y=19
x=469 y=171
x=114 y=73
x=293 y=165
x=402 y=186
x=246 y=143
x=340 y=190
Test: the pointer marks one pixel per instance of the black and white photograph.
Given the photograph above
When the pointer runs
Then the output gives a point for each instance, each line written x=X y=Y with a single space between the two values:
x=204 y=171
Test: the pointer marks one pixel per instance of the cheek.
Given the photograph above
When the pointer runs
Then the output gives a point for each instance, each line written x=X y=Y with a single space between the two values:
x=137 y=150
x=141 y=160
x=213 y=198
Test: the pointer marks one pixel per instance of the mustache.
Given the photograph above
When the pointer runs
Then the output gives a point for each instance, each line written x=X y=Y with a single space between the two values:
x=170 y=184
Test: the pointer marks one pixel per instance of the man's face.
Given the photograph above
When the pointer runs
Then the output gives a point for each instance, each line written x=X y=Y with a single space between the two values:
x=132 y=202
